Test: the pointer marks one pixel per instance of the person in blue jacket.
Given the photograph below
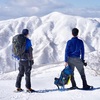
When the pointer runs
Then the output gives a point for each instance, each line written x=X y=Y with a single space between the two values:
x=74 y=57
x=25 y=64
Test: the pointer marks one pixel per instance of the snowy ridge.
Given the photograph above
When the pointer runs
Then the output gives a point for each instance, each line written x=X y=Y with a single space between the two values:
x=49 y=35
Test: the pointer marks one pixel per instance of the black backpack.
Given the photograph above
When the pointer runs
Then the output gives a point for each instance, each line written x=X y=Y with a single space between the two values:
x=18 y=45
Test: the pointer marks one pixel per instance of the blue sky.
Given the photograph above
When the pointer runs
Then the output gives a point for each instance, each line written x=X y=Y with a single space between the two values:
x=84 y=3
x=18 y=8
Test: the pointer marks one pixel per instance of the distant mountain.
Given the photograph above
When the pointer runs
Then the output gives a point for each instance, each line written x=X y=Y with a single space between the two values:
x=49 y=35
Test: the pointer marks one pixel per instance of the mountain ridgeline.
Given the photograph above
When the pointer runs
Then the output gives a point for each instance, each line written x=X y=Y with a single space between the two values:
x=49 y=35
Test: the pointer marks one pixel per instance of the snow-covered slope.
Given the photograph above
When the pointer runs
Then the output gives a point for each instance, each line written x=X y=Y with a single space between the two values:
x=49 y=35
x=43 y=80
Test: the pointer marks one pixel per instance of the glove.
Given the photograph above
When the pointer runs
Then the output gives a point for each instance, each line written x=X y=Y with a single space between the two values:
x=85 y=63
x=31 y=62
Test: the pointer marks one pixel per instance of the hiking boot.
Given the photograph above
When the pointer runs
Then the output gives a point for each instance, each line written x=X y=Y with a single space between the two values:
x=87 y=87
x=30 y=90
x=19 y=90
x=73 y=87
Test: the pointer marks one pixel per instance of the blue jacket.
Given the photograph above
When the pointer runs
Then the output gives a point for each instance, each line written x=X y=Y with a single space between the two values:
x=74 y=48
x=28 y=44
x=28 y=52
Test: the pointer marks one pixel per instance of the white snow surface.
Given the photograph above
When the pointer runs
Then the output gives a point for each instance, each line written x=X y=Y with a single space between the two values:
x=42 y=78
x=49 y=35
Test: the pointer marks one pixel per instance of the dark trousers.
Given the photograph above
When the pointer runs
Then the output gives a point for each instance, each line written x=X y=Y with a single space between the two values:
x=24 y=68
x=77 y=62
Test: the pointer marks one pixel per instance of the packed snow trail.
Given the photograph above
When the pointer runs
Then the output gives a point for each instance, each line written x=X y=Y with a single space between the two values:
x=43 y=80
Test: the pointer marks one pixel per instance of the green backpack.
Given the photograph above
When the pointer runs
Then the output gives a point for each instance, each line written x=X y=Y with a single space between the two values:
x=18 y=45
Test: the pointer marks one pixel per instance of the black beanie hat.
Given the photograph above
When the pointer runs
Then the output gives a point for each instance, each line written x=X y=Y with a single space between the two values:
x=25 y=32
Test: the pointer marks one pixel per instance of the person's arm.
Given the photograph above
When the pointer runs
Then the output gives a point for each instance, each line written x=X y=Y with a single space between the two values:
x=30 y=53
x=66 y=54
x=82 y=55
x=31 y=56
x=82 y=51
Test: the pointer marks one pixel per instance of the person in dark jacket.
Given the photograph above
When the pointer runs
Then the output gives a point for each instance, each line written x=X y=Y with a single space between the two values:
x=74 y=57
x=25 y=64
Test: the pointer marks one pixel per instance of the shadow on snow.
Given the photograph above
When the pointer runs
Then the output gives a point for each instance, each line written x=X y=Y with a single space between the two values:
x=61 y=90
